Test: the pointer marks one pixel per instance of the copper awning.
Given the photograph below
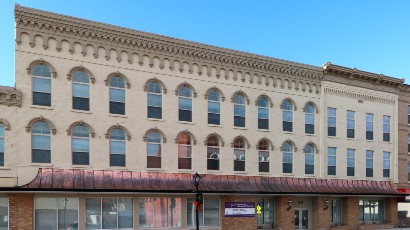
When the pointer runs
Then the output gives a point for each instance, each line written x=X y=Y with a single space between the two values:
x=126 y=181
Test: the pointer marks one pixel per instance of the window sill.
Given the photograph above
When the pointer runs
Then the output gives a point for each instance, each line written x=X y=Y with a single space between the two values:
x=287 y=132
x=81 y=111
x=117 y=115
x=213 y=125
x=350 y=138
x=240 y=172
x=4 y=168
x=118 y=168
x=264 y=173
x=264 y=130
x=42 y=164
x=242 y=128
x=219 y=171
x=331 y=176
x=333 y=137
x=186 y=122
x=155 y=119
x=288 y=174
x=369 y=140
x=81 y=166
x=310 y=134
x=42 y=107
x=185 y=170
x=310 y=175
x=154 y=169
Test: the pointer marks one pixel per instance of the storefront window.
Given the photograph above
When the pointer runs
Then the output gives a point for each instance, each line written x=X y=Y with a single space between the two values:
x=371 y=211
x=56 y=213
x=4 y=213
x=336 y=212
x=265 y=213
x=109 y=213
x=160 y=212
x=209 y=216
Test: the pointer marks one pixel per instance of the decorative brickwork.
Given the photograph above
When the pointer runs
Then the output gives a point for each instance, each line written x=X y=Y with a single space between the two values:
x=21 y=211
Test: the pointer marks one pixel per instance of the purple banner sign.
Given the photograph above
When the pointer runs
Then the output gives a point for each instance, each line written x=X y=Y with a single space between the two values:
x=239 y=209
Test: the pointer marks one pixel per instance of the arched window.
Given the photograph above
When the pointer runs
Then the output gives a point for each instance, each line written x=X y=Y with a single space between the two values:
x=153 y=150
x=81 y=90
x=263 y=113
x=309 y=159
x=80 y=145
x=287 y=161
x=154 y=100
x=117 y=147
x=212 y=153
x=214 y=108
x=41 y=85
x=40 y=143
x=239 y=110
x=263 y=156
x=287 y=116
x=184 y=151
x=1 y=144
x=117 y=95
x=185 y=103
x=309 y=119
x=239 y=154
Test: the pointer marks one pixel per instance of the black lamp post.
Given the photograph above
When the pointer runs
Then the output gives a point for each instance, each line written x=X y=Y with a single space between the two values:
x=65 y=207
x=196 y=178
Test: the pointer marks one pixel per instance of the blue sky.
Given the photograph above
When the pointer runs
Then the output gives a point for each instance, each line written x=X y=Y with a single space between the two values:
x=371 y=35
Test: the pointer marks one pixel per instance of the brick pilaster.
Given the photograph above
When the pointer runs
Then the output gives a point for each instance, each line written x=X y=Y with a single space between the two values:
x=350 y=212
x=391 y=211
x=285 y=219
x=21 y=211
x=320 y=213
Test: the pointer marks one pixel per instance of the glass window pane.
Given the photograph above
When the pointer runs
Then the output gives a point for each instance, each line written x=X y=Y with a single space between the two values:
x=153 y=150
x=154 y=137
x=287 y=116
x=80 y=76
x=40 y=142
x=93 y=213
x=213 y=95
x=109 y=213
x=117 y=134
x=67 y=213
x=1 y=130
x=239 y=110
x=239 y=99
x=263 y=102
x=80 y=145
x=185 y=103
x=117 y=147
x=80 y=90
x=41 y=70
x=125 y=213
x=117 y=82
x=154 y=87
x=80 y=131
x=184 y=91
x=1 y=145
x=213 y=107
x=46 y=213
x=154 y=100
x=4 y=213
x=40 y=128
x=263 y=113
x=117 y=95
x=41 y=85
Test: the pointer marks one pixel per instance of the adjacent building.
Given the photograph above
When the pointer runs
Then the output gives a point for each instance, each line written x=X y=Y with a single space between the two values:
x=106 y=126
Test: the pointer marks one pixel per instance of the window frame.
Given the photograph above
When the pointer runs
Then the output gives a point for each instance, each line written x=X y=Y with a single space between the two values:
x=242 y=116
x=353 y=158
x=188 y=159
x=2 y=147
x=289 y=154
x=154 y=94
x=369 y=122
x=80 y=138
x=156 y=162
x=308 y=114
x=329 y=118
x=123 y=142
x=48 y=78
x=386 y=174
x=287 y=123
x=188 y=98
x=41 y=135
x=331 y=155
x=264 y=164
x=189 y=199
x=312 y=155
x=57 y=199
x=350 y=120
x=217 y=156
x=239 y=146
x=117 y=211
x=386 y=135
x=218 y=114
x=74 y=82
x=263 y=108
x=117 y=88
x=369 y=159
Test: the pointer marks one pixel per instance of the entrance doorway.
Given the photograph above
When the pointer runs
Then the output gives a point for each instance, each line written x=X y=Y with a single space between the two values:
x=301 y=218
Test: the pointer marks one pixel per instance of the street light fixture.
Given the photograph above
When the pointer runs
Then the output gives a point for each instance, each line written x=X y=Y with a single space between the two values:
x=65 y=208
x=196 y=179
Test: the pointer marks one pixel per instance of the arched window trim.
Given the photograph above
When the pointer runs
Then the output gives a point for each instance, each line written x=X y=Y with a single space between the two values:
x=221 y=141
x=267 y=98
x=41 y=62
x=215 y=89
x=290 y=142
x=118 y=126
x=315 y=148
x=81 y=68
x=5 y=123
x=186 y=84
x=240 y=92
x=42 y=119
x=291 y=101
x=189 y=134
x=164 y=139
x=117 y=74
x=313 y=104
x=243 y=138
x=82 y=123
x=164 y=88
x=267 y=140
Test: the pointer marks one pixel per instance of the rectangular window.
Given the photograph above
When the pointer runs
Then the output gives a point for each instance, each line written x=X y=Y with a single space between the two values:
x=108 y=213
x=331 y=161
x=287 y=117
x=408 y=143
x=81 y=100
x=117 y=101
x=369 y=126
x=350 y=162
x=239 y=160
x=369 y=163
x=160 y=212
x=154 y=106
x=386 y=164
x=371 y=211
x=239 y=115
x=331 y=122
x=265 y=212
x=1 y=145
x=214 y=113
x=408 y=114
x=408 y=172
x=4 y=213
x=55 y=213
x=263 y=118
x=310 y=122
x=208 y=217
x=336 y=212
x=80 y=149
x=41 y=91
x=185 y=109
x=386 y=128
x=350 y=124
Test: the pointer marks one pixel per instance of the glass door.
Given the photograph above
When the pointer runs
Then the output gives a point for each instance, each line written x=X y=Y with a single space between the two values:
x=301 y=219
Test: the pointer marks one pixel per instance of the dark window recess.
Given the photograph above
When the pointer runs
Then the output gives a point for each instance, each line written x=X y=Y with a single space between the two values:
x=184 y=163
x=153 y=162
x=214 y=119
x=213 y=164
x=154 y=112
x=369 y=172
x=117 y=108
x=369 y=135
x=117 y=160
x=239 y=121
x=263 y=124
x=263 y=166
x=350 y=171
x=386 y=172
x=331 y=131
x=81 y=158
x=287 y=126
x=350 y=133
x=1 y=159
x=309 y=169
x=185 y=115
x=41 y=156
x=309 y=129
x=386 y=136
x=43 y=99
x=239 y=166
x=331 y=170
x=408 y=147
x=81 y=103
x=408 y=119
x=287 y=168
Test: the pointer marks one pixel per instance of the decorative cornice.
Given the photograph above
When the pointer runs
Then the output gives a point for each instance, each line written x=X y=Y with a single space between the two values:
x=10 y=96
x=357 y=95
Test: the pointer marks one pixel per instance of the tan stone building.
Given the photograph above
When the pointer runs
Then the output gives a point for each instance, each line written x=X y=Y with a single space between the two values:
x=106 y=126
